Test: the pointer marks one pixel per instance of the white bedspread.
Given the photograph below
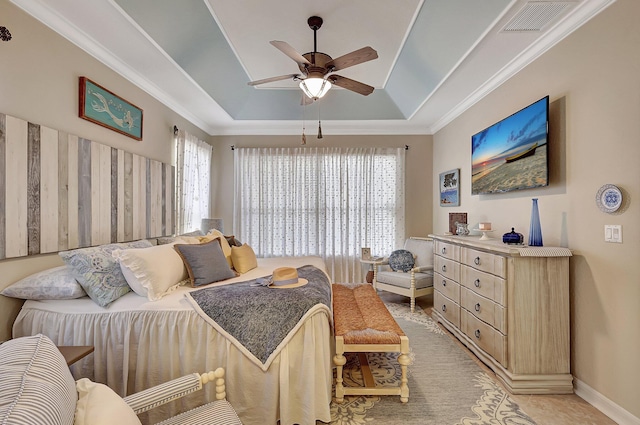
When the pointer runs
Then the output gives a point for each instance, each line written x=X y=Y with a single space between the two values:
x=139 y=343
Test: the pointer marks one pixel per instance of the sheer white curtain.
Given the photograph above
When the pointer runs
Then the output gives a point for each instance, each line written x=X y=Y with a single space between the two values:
x=193 y=171
x=320 y=201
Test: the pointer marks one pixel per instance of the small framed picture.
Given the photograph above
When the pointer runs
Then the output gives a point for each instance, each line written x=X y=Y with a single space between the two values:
x=449 y=188
x=366 y=253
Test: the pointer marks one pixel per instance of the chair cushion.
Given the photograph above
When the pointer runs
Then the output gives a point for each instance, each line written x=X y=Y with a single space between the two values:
x=401 y=260
x=36 y=386
x=100 y=405
x=422 y=250
x=403 y=280
x=218 y=412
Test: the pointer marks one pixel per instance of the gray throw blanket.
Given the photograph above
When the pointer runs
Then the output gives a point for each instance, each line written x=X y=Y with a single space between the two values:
x=259 y=317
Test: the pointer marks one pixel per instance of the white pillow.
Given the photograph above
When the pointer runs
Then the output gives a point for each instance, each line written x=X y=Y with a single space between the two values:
x=100 y=405
x=57 y=283
x=152 y=272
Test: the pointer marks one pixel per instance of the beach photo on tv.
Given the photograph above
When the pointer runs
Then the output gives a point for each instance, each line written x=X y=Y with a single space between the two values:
x=512 y=154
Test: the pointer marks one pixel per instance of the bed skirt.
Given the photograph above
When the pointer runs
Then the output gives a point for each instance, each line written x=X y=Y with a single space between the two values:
x=157 y=346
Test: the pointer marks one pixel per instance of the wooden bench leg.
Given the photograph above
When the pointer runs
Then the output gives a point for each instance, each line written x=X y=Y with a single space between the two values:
x=404 y=361
x=339 y=360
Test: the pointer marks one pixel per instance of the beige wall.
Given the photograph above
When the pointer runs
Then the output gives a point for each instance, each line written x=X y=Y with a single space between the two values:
x=418 y=170
x=593 y=79
x=39 y=83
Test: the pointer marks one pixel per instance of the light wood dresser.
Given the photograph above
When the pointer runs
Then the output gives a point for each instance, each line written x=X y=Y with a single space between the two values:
x=510 y=306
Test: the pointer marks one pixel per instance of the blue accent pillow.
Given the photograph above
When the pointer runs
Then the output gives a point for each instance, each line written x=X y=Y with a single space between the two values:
x=401 y=260
x=205 y=262
x=98 y=272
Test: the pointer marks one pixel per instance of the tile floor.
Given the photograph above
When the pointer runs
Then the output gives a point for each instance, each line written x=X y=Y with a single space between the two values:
x=544 y=409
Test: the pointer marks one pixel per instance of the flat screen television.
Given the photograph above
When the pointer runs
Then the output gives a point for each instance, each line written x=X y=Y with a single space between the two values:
x=512 y=153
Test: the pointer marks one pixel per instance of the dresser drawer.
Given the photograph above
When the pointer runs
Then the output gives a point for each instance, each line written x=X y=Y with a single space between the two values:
x=484 y=309
x=484 y=336
x=447 y=268
x=484 y=284
x=490 y=263
x=446 y=308
x=447 y=287
x=448 y=250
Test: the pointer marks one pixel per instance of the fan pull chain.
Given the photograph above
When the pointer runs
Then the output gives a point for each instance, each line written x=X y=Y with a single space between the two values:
x=304 y=138
x=319 y=124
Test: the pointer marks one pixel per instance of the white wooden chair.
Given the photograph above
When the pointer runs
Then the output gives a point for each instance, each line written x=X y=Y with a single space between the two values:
x=38 y=388
x=415 y=283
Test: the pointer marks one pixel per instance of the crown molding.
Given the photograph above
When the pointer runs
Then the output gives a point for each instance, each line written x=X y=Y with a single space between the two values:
x=584 y=12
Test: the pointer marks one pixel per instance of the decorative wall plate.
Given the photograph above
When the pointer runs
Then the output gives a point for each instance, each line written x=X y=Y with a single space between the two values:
x=609 y=198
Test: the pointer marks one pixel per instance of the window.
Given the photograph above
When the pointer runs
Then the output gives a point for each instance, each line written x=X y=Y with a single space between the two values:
x=328 y=202
x=193 y=171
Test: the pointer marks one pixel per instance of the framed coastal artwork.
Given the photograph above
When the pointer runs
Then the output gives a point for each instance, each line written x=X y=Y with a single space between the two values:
x=109 y=110
x=450 y=188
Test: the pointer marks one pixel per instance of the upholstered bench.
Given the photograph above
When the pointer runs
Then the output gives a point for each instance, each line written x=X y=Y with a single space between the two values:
x=364 y=325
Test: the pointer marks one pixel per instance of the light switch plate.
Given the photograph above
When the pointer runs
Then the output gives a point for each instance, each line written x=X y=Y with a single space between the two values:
x=613 y=233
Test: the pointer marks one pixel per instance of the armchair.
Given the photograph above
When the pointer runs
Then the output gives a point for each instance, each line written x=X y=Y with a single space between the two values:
x=37 y=387
x=417 y=282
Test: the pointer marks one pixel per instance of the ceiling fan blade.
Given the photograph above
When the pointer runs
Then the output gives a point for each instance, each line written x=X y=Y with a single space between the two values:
x=286 y=48
x=269 y=80
x=349 y=84
x=354 y=58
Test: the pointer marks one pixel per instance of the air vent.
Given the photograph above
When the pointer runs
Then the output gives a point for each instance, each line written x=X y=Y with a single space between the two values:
x=535 y=15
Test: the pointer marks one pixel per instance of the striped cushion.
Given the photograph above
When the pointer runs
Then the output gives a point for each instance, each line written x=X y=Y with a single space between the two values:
x=36 y=385
x=218 y=412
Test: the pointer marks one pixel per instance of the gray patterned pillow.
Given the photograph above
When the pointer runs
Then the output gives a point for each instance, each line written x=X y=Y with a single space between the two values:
x=401 y=260
x=205 y=262
x=98 y=272
x=57 y=283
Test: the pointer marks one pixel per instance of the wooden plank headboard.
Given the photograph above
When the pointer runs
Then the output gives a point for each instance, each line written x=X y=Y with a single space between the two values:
x=59 y=191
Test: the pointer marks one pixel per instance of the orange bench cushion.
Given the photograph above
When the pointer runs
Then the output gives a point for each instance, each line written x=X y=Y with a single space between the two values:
x=361 y=317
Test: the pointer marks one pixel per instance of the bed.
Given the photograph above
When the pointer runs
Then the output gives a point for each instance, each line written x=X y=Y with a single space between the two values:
x=139 y=343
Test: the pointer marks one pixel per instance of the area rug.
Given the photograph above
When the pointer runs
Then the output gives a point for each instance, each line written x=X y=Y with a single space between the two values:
x=446 y=386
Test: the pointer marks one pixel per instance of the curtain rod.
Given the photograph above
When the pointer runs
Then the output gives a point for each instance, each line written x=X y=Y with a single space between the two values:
x=233 y=147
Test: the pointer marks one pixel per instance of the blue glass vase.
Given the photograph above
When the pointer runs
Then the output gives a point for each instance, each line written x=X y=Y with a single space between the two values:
x=535 y=231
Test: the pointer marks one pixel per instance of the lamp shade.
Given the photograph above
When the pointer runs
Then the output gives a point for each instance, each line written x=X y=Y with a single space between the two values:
x=315 y=87
x=207 y=224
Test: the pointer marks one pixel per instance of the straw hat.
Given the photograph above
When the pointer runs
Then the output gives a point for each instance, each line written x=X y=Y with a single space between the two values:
x=286 y=277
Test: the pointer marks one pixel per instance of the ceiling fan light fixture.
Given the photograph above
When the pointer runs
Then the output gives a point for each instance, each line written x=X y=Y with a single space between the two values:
x=315 y=87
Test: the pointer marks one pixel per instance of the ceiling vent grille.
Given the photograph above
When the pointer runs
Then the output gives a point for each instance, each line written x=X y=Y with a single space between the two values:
x=535 y=15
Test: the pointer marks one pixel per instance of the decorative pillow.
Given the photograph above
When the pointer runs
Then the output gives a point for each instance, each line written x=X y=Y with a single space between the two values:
x=401 y=260
x=98 y=272
x=100 y=405
x=226 y=249
x=232 y=241
x=36 y=385
x=152 y=272
x=57 y=283
x=244 y=259
x=205 y=262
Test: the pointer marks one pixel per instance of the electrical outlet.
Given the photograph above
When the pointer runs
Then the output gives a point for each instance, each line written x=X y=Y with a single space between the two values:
x=613 y=233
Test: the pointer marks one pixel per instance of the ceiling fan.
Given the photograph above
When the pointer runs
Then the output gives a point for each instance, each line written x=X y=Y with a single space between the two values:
x=316 y=68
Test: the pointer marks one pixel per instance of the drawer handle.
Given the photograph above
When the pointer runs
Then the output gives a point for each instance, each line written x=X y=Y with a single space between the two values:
x=444 y=308
x=444 y=250
x=477 y=307
x=444 y=282
x=476 y=261
x=477 y=333
x=477 y=283
x=444 y=268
